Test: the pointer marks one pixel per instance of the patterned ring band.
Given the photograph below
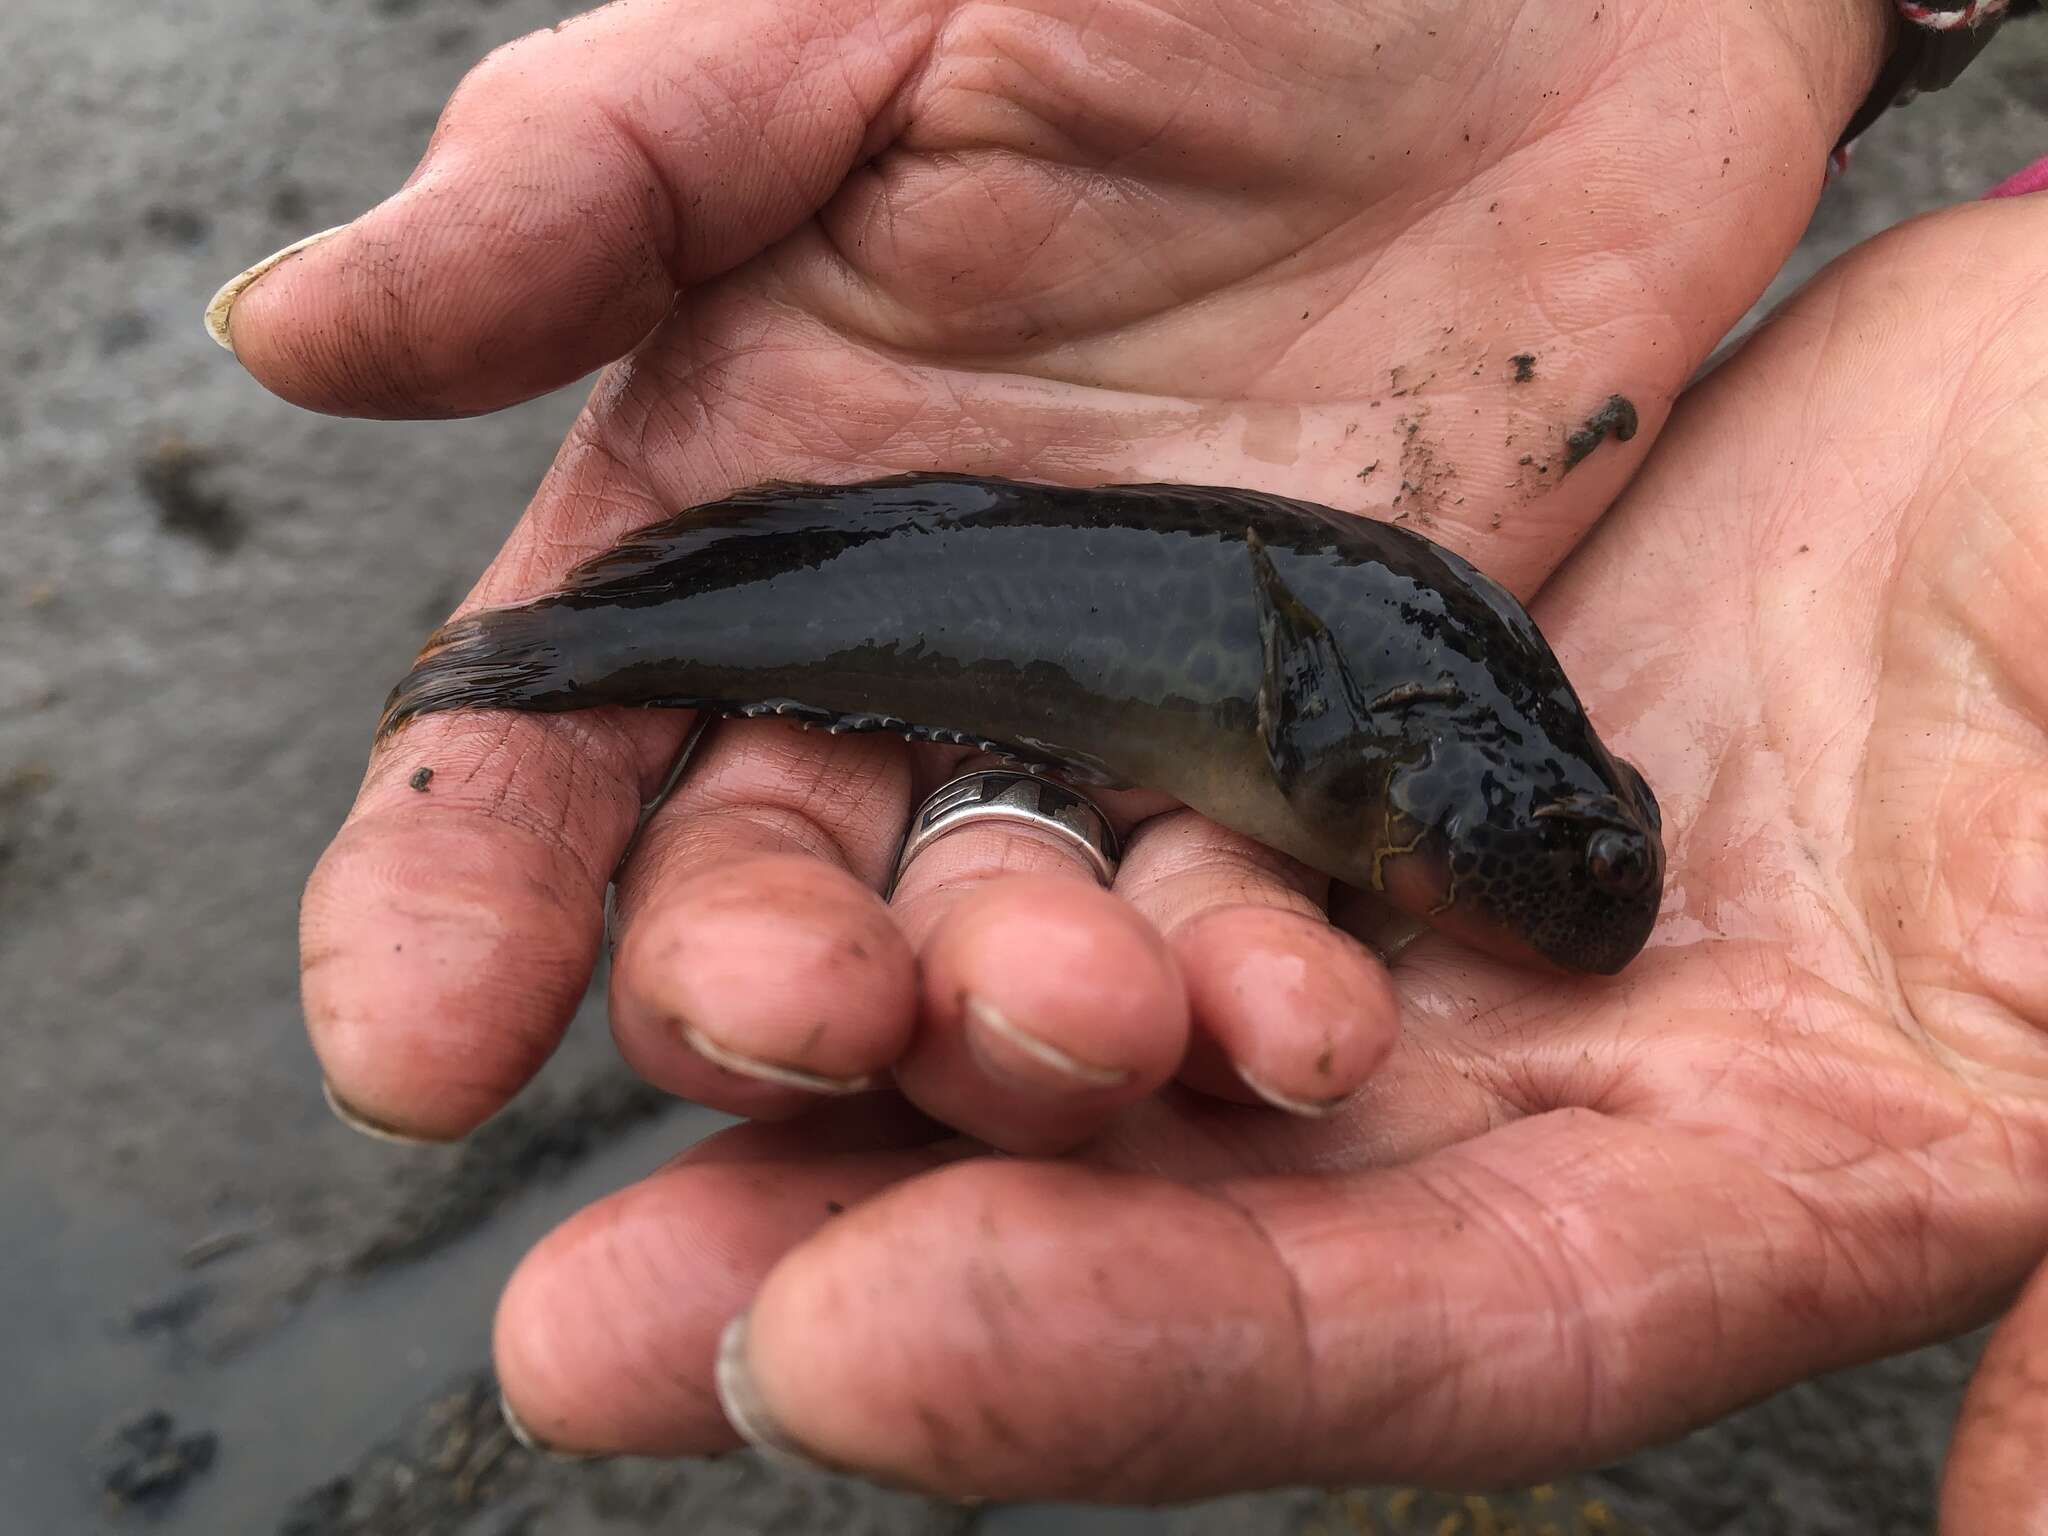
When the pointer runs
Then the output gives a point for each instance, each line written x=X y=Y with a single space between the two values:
x=1021 y=799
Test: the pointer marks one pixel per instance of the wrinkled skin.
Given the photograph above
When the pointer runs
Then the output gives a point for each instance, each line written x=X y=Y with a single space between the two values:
x=1560 y=1219
x=1563 y=1220
x=1994 y=1484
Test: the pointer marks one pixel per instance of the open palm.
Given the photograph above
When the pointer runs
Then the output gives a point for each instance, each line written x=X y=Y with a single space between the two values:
x=1567 y=1217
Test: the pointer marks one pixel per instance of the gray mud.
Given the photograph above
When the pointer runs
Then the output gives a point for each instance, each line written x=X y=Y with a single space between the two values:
x=188 y=1233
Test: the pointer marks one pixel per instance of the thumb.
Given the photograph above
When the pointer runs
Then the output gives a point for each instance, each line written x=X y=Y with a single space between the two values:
x=1545 y=1297
x=577 y=179
x=1995 y=1484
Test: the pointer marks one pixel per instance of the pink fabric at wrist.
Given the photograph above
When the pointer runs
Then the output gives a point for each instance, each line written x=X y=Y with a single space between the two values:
x=1957 y=13
x=2033 y=179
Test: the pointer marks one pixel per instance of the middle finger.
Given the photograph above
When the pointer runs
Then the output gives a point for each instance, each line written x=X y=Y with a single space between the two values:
x=756 y=968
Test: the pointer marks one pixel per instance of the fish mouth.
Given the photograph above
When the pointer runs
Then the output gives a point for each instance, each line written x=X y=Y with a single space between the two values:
x=1499 y=942
x=1606 y=952
x=1609 y=934
x=1613 y=956
x=1618 y=926
x=1420 y=883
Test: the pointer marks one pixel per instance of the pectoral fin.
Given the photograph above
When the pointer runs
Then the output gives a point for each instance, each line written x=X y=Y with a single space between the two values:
x=1308 y=703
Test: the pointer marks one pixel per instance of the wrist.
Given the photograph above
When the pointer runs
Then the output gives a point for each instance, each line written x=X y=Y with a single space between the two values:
x=1936 y=40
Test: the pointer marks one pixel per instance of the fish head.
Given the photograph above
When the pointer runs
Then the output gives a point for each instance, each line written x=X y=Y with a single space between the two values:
x=1558 y=862
x=1431 y=745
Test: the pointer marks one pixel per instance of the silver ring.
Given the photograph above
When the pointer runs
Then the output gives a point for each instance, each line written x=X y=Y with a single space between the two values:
x=1022 y=799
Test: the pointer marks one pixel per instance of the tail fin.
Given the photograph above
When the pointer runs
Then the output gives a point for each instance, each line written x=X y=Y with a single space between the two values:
x=507 y=658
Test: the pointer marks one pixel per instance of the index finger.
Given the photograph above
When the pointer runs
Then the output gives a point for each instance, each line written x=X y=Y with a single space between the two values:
x=449 y=931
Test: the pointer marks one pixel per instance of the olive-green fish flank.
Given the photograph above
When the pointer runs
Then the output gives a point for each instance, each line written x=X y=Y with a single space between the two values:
x=1338 y=688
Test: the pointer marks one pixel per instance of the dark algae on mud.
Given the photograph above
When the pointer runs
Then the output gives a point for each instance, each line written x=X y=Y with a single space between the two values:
x=1341 y=689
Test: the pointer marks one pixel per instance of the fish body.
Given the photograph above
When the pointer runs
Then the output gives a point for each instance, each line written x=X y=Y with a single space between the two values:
x=1340 y=689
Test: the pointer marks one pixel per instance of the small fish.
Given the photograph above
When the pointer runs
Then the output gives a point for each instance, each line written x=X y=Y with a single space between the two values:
x=1335 y=687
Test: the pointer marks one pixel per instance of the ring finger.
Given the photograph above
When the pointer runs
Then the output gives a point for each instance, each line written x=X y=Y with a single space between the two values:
x=1045 y=1003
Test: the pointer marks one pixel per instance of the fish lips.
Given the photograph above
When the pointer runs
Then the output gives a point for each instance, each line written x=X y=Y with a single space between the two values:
x=1587 y=931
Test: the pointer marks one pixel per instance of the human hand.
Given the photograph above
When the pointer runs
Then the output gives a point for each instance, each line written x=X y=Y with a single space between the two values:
x=492 y=883
x=1213 y=242
x=1993 y=1485
x=1567 y=1218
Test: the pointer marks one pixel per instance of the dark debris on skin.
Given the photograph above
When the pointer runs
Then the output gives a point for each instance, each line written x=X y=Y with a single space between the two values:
x=1616 y=419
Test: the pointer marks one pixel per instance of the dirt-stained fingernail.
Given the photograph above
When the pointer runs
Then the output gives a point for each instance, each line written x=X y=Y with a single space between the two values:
x=770 y=1071
x=1011 y=1054
x=534 y=1443
x=739 y=1398
x=1308 y=1109
x=220 y=308
x=356 y=1120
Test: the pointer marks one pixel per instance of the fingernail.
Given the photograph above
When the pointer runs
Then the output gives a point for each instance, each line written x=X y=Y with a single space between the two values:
x=1010 y=1054
x=356 y=1120
x=534 y=1443
x=770 y=1071
x=1308 y=1109
x=220 y=308
x=741 y=1402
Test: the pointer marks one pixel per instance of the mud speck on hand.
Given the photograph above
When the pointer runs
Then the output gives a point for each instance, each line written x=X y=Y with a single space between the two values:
x=421 y=778
x=1525 y=366
x=1427 y=480
x=1617 y=418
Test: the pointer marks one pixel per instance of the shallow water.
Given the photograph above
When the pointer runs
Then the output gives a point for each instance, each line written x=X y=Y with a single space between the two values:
x=293 y=1407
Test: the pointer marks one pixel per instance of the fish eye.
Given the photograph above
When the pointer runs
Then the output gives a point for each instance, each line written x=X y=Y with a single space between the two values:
x=1618 y=861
